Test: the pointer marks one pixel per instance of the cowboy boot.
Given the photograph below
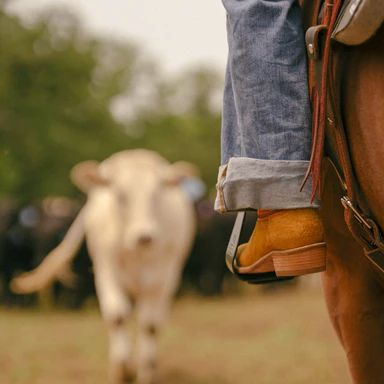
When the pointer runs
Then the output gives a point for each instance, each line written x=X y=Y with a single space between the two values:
x=287 y=242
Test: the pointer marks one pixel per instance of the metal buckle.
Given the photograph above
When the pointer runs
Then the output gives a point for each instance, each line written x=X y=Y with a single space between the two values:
x=347 y=204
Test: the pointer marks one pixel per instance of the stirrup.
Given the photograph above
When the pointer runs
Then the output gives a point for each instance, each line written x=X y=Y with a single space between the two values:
x=230 y=258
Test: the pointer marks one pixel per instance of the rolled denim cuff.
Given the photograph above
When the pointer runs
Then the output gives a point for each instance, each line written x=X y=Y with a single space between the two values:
x=246 y=183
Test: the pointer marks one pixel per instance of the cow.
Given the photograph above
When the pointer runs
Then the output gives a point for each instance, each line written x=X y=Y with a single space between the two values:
x=139 y=226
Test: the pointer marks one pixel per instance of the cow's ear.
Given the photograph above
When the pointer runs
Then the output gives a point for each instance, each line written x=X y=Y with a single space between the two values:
x=86 y=175
x=182 y=170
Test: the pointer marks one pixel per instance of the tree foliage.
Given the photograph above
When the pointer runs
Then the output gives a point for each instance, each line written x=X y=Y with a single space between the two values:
x=58 y=89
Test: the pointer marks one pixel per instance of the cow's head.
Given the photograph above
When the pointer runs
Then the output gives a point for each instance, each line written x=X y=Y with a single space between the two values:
x=140 y=182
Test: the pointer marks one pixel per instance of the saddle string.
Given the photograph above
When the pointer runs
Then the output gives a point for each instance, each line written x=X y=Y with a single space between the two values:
x=332 y=8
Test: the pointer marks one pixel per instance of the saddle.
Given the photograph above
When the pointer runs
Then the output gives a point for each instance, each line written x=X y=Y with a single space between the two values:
x=328 y=25
x=358 y=21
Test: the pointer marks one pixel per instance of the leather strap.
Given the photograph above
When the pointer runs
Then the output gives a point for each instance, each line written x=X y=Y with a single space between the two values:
x=313 y=42
x=376 y=257
x=313 y=38
x=319 y=98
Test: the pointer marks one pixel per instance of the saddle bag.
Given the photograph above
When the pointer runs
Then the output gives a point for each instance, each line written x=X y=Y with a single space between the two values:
x=358 y=21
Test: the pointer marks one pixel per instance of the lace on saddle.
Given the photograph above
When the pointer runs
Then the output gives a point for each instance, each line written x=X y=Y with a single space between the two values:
x=318 y=94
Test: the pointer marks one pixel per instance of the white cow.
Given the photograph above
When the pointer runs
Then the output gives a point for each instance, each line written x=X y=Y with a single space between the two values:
x=139 y=226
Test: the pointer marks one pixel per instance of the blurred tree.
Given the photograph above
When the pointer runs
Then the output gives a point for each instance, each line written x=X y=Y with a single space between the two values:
x=186 y=122
x=65 y=97
x=55 y=89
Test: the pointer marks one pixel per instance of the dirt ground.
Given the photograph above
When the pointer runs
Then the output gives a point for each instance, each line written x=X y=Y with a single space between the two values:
x=251 y=338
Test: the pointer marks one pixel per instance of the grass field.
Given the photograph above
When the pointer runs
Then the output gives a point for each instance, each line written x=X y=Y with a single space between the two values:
x=246 y=339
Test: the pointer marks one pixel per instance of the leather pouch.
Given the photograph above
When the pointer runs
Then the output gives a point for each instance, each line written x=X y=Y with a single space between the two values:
x=358 y=21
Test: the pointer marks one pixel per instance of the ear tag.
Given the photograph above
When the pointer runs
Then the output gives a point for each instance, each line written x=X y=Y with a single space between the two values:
x=194 y=188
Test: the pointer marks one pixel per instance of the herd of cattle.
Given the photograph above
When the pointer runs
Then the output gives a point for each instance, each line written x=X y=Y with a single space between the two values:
x=29 y=231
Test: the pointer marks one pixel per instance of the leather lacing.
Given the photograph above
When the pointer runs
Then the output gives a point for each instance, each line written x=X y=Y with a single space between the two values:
x=318 y=97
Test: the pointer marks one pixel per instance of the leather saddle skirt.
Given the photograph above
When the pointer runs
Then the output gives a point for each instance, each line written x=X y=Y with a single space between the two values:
x=358 y=21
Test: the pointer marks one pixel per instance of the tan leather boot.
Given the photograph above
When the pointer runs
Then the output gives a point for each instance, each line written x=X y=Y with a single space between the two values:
x=288 y=242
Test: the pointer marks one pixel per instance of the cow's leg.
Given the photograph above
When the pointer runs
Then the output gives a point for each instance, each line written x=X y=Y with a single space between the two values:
x=151 y=316
x=115 y=308
x=153 y=310
x=102 y=234
x=121 y=368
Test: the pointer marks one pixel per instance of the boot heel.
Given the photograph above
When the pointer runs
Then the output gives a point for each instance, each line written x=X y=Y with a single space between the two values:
x=300 y=261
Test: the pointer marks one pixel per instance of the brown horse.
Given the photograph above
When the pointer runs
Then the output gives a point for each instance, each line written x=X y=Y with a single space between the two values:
x=354 y=292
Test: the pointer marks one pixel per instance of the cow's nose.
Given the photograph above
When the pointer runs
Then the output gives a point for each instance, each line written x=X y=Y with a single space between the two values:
x=145 y=239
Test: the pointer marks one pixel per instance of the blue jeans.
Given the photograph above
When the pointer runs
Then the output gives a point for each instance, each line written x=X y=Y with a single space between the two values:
x=266 y=123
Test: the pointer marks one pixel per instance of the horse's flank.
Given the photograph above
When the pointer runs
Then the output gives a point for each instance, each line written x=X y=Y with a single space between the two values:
x=363 y=95
x=353 y=291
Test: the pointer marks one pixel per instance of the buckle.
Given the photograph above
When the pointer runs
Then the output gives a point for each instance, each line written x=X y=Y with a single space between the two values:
x=370 y=227
x=347 y=204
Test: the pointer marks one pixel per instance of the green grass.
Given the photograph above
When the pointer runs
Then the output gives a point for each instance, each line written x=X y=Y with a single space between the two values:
x=251 y=339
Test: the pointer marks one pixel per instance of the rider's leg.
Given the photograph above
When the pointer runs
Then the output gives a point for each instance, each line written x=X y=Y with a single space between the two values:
x=266 y=135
